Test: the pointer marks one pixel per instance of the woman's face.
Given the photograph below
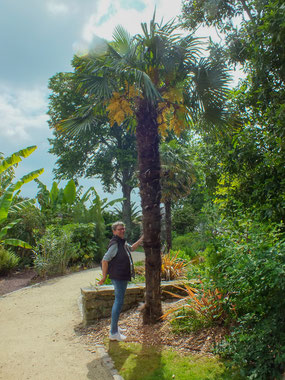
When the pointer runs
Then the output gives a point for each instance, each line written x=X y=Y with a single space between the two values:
x=120 y=231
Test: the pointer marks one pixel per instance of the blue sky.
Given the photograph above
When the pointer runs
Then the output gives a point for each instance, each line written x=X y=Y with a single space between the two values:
x=38 y=38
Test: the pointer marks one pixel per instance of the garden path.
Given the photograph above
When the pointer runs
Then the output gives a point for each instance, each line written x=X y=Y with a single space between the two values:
x=38 y=339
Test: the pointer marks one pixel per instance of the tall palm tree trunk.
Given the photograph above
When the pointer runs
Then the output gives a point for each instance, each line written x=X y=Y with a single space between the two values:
x=167 y=205
x=126 y=209
x=149 y=175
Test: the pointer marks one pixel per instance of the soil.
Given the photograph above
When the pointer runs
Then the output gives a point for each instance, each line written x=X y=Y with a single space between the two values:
x=159 y=335
x=17 y=280
x=22 y=278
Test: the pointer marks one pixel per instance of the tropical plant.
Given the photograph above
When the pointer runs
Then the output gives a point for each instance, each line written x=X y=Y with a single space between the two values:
x=94 y=214
x=8 y=260
x=56 y=204
x=9 y=202
x=83 y=237
x=209 y=305
x=177 y=176
x=153 y=81
x=172 y=267
x=54 y=252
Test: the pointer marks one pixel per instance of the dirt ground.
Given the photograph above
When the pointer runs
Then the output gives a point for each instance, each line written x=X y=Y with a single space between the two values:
x=40 y=331
x=42 y=336
x=16 y=280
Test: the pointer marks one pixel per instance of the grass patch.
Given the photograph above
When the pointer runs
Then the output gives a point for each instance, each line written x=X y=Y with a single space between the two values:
x=139 y=362
x=139 y=263
x=139 y=249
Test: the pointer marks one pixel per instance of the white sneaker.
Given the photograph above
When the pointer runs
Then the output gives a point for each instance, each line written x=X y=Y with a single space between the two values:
x=121 y=329
x=118 y=336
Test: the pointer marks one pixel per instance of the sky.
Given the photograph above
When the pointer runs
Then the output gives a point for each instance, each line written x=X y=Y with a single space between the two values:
x=38 y=38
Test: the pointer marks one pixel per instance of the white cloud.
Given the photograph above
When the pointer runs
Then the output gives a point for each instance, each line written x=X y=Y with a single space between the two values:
x=110 y=13
x=22 y=114
x=57 y=8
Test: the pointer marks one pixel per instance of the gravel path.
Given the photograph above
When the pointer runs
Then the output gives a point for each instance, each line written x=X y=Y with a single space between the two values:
x=38 y=339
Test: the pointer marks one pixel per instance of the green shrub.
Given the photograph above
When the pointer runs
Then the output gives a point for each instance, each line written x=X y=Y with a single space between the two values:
x=249 y=261
x=83 y=236
x=8 y=260
x=54 y=252
x=188 y=321
x=30 y=228
x=183 y=220
x=192 y=244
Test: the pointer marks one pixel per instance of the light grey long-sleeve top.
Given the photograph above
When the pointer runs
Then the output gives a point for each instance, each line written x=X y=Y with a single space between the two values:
x=112 y=251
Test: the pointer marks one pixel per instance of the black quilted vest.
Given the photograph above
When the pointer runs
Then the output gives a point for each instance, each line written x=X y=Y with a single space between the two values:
x=119 y=268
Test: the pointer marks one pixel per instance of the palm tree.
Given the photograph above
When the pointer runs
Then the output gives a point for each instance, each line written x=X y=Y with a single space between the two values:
x=177 y=176
x=154 y=82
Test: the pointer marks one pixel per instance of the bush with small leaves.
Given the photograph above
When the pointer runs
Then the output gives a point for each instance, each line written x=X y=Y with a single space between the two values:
x=8 y=261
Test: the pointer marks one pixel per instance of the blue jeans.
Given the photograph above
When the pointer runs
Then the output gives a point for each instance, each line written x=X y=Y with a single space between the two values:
x=120 y=290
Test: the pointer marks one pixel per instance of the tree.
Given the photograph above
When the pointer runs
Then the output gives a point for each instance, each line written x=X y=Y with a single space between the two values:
x=99 y=150
x=154 y=81
x=177 y=176
x=252 y=159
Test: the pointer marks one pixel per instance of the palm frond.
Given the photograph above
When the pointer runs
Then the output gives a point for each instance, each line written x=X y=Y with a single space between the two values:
x=122 y=39
x=84 y=119
x=151 y=92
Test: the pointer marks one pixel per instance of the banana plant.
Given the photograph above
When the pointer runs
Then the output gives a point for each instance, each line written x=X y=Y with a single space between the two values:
x=9 y=193
x=56 y=201
x=94 y=214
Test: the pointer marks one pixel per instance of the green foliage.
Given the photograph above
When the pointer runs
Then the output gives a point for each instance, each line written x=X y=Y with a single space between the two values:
x=54 y=252
x=56 y=203
x=249 y=261
x=30 y=227
x=177 y=173
x=249 y=161
x=9 y=194
x=183 y=220
x=83 y=237
x=8 y=261
x=192 y=244
x=188 y=320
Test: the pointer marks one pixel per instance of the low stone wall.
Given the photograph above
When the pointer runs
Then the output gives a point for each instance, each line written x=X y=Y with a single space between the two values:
x=97 y=302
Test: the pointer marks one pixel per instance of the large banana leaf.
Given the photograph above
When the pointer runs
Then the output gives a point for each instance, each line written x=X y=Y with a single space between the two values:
x=16 y=157
x=53 y=195
x=70 y=192
x=28 y=178
x=6 y=198
x=4 y=230
x=16 y=243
